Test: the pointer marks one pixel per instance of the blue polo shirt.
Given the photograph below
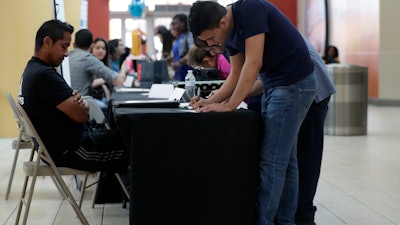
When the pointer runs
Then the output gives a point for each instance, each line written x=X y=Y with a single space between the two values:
x=286 y=59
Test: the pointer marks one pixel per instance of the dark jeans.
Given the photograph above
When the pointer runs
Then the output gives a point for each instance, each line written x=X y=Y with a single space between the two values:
x=309 y=156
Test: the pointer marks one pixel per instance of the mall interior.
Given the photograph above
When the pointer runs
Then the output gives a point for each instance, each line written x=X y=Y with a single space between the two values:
x=361 y=29
x=359 y=182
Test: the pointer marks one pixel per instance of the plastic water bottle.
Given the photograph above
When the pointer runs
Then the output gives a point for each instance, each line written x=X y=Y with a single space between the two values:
x=190 y=84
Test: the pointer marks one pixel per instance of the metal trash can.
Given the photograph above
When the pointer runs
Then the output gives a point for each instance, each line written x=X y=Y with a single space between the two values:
x=348 y=108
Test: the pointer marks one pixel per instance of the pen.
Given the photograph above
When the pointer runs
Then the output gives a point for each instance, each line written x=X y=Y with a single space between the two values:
x=198 y=93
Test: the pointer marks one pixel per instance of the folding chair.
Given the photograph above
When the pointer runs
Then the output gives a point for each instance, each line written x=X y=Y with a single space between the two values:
x=22 y=142
x=96 y=114
x=43 y=165
x=106 y=92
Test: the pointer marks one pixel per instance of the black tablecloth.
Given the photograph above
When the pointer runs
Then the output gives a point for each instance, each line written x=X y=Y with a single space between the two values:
x=191 y=168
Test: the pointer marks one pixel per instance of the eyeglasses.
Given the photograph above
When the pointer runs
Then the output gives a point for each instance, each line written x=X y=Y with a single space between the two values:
x=203 y=44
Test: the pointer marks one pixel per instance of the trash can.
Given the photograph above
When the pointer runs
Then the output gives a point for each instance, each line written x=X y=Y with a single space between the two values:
x=348 y=108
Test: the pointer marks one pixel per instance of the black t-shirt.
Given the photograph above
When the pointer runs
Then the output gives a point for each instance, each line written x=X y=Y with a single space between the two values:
x=42 y=89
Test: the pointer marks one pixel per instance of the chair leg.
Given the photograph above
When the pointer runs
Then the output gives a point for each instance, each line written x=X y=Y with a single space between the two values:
x=83 y=190
x=21 y=200
x=10 y=180
x=95 y=190
x=72 y=201
x=30 y=194
x=58 y=187
x=124 y=188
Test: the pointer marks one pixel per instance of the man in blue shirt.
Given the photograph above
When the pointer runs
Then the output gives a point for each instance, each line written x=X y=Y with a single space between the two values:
x=261 y=40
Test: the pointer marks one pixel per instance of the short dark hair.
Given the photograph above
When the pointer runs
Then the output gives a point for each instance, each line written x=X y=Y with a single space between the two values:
x=83 y=39
x=205 y=15
x=54 y=29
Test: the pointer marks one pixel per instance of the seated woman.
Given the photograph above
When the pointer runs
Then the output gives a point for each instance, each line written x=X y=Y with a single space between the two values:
x=99 y=49
x=202 y=58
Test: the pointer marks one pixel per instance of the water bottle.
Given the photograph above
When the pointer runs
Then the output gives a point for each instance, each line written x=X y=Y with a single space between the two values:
x=190 y=84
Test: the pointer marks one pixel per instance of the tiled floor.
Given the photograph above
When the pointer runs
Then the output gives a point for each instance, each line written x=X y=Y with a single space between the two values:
x=359 y=185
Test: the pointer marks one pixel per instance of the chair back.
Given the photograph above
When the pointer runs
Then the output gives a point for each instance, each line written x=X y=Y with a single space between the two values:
x=29 y=128
x=17 y=114
x=95 y=112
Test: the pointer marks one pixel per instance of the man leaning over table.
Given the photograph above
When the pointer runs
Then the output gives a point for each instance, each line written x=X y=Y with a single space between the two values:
x=260 y=39
x=59 y=114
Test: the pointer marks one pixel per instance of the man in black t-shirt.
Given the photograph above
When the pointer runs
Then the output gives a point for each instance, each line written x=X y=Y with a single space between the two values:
x=59 y=114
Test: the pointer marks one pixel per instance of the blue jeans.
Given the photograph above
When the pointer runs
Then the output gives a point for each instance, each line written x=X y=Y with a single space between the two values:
x=283 y=110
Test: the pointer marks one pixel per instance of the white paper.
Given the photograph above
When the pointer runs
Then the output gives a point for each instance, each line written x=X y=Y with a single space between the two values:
x=176 y=94
x=128 y=81
x=124 y=89
x=161 y=90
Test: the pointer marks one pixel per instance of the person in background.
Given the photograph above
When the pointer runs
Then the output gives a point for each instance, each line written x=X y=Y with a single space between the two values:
x=99 y=49
x=127 y=55
x=202 y=58
x=331 y=55
x=310 y=142
x=115 y=49
x=85 y=67
x=59 y=114
x=180 y=49
x=261 y=40
x=166 y=38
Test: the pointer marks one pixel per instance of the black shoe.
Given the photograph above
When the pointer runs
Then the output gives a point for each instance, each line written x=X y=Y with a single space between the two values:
x=306 y=223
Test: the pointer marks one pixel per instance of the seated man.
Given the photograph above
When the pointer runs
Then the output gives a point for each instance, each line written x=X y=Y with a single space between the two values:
x=85 y=67
x=59 y=114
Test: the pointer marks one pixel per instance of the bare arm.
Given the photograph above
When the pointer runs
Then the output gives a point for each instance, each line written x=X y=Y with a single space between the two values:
x=251 y=67
x=257 y=89
x=98 y=82
x=248 y=75
x=75 y=108
x=229 y=85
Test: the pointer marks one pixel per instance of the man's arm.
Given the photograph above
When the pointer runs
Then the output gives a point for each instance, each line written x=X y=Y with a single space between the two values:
x=75 y=108
x=226 y=90
x=258 y=88
x=97 y=68
x=230 y=84
x=248 y=75
x=251 y=67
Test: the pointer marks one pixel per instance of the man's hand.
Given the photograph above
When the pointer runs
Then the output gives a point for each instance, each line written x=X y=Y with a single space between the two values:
x=194 y=100
x=78 y=98
x=75 y=107
x=215 y=107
